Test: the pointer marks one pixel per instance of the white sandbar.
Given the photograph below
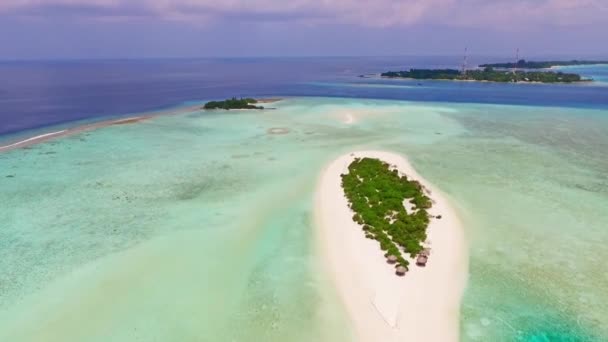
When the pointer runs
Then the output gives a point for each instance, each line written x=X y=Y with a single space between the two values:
x=423 y=305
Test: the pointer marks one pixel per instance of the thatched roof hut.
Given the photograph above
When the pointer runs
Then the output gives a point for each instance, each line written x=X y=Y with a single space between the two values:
x=391 y=259
x=422 y=259
x=400 y=271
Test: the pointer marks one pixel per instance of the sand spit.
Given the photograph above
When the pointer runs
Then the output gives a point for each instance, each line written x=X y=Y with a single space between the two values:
x=130 y=120
x=422 y=306
x=90 y=127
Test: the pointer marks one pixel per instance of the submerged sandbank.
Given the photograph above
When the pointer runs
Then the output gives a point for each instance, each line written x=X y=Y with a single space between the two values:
x=89 y=127
x=422 y=306
x=97 y=125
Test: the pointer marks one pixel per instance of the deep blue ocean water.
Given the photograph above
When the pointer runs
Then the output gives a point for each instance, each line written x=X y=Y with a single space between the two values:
x=43 y=93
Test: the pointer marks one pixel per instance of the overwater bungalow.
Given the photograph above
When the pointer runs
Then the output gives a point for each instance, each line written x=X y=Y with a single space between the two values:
x=400 y=271
x=391 y=259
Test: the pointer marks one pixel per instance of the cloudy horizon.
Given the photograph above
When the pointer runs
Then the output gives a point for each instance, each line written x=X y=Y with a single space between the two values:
x=39 y=29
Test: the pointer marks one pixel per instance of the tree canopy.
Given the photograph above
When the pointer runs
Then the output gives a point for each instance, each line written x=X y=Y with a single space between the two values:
x=377 y=193
x=233 y=103
x=487 y=74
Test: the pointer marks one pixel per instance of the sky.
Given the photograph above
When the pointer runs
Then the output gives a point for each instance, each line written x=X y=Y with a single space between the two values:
x=57 y=29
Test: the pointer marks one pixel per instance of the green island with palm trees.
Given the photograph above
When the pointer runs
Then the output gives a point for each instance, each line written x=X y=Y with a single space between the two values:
x=378 y=194
x=233 y=103
x=488 y=74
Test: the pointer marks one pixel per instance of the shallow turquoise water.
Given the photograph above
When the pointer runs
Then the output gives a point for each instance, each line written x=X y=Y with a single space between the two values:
x=534 y=197
x=187 y=227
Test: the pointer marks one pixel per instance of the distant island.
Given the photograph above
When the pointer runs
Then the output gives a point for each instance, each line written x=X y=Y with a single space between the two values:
x=486 y=74
x=523 y=64
x=233 y=103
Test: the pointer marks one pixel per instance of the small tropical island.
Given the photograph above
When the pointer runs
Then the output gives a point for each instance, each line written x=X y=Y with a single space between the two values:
x=375 y=216
x=523 y=64
x=378 y=194
x=233 y=103
x=488 y=74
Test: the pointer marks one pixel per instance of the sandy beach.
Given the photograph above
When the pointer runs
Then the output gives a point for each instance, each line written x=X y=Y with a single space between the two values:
x=423 y=305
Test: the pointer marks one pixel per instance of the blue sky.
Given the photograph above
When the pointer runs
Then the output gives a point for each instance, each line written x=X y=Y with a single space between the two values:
x=41 y=29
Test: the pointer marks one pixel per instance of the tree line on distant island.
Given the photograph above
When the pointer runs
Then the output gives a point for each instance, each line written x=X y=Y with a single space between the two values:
x=233 y=103
x=487 y=74
x=523 y=64
x=376 y=193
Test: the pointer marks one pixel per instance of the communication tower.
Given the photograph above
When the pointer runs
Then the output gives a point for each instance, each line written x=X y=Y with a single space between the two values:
x=464 y=61
x=516 y=61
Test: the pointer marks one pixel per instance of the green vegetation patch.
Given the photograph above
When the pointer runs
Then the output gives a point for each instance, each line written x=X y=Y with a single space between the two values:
x=377 y=193
x=487 y=74
x=233 y=103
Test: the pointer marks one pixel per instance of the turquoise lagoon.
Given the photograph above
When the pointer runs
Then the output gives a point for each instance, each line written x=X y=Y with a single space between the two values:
x=197 y=227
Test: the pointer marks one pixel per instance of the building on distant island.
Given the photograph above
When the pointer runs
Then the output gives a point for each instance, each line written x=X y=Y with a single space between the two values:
x=422 y=259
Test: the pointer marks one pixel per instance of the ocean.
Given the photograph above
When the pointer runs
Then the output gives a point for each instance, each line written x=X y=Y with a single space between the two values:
x=198 y=226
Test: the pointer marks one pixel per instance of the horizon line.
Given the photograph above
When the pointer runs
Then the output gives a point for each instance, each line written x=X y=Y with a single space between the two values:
x=84 y=59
